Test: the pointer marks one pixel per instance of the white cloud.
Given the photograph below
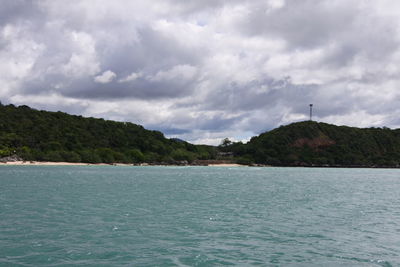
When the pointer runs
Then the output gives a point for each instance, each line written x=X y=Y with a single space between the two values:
x=83 y=60
x=18 y=55
x=275 y=4
x=133 y=76
x=105 y=77
x=180 y=72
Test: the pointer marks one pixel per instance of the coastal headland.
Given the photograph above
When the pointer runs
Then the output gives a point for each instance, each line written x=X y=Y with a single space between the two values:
x=33 y=137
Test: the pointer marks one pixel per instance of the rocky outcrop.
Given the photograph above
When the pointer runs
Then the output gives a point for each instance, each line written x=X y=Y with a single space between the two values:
x=12 y=158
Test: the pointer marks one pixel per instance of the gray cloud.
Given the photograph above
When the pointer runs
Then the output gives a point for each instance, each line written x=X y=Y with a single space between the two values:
x=205 y=70
x=303 y=24
x=15 y=11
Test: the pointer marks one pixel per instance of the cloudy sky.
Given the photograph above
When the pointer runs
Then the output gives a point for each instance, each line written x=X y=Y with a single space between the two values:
x=202 y=70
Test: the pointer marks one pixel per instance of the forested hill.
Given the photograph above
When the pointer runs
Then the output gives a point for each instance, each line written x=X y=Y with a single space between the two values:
x=56 y=136
x=311 y=143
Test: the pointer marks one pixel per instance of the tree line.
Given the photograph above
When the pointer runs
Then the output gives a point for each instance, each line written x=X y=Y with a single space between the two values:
x=56 y=136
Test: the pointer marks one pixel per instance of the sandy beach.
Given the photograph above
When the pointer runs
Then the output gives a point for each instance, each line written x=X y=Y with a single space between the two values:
x=50 y=163
x=225 y=165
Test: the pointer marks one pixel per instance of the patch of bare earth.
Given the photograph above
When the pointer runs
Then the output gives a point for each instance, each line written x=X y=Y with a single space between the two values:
x=315 y=143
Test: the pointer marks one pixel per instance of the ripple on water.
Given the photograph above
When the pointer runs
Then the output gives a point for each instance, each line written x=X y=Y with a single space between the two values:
x=196 y=216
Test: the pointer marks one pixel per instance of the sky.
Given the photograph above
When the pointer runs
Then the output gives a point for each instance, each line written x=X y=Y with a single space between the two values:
x=203 y=70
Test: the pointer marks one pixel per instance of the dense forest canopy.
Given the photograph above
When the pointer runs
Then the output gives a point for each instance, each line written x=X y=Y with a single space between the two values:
x=56 y=136
x=310 y=143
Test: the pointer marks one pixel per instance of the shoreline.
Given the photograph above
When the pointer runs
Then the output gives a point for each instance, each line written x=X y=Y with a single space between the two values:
x=51 y=163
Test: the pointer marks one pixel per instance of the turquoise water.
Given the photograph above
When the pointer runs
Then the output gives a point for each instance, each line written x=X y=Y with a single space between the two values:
x=198 y=216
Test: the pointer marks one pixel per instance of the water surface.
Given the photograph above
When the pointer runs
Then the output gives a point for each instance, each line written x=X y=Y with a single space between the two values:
x=198 y=216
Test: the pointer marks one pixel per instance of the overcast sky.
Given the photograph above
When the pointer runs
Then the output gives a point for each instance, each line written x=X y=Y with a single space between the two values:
x=202 y=70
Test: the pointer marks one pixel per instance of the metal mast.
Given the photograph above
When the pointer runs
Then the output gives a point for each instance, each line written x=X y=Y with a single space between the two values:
x=311 y=105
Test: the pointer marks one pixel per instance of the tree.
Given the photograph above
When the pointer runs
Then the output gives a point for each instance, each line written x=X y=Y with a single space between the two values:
x=226 y=142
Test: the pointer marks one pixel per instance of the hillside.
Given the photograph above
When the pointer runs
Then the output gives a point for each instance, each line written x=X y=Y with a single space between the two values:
x=56 y=136
x=311 y=143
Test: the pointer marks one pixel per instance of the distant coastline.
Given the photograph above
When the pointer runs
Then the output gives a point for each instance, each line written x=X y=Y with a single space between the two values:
x=51 y=163
x=52 y=138
x=223 y=164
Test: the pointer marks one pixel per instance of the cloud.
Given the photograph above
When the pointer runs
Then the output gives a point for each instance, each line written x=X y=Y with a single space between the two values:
x=205 y=70
x=83 y=59
x=131 y=77
x=180 y=72
x=105 y=77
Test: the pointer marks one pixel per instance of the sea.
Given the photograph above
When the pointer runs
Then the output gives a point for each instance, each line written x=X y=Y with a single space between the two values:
x=198 y=216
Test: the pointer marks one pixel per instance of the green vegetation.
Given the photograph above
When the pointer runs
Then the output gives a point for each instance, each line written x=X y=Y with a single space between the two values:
x=311 y=143
x=56 y=136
